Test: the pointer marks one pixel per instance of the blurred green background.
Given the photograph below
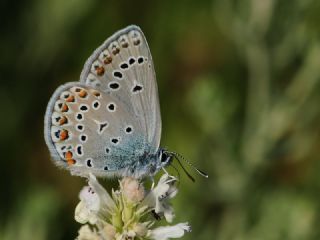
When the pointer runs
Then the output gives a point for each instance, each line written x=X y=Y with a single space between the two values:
x=239 y=85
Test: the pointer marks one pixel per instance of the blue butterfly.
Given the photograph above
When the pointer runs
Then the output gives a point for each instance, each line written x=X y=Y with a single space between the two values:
x=109 y=122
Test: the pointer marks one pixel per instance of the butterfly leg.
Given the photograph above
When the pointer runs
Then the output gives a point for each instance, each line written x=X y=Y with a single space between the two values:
x=152 y=182
x=165 y=171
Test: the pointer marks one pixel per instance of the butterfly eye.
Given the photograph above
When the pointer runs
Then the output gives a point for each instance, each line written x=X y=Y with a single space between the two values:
x=163 y=157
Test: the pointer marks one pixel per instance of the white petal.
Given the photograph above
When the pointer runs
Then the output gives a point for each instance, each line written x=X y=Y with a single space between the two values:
x=106 y=202
x=159 y=196
x=94 y=200
x=166 y=209
x=169 y=179
x=164 y=189
x=169 y=214
x=86 y=233
x=90 y=198
x=83 y=214
x=163 y=233
x=172 y=192
x=161 y=190
x=163 y=178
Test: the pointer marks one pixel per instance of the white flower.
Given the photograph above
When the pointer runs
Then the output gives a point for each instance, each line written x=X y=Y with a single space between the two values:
x=85 y=233
x=163 y=233
x=158 y=197
x=94 y=200
x=127 y=214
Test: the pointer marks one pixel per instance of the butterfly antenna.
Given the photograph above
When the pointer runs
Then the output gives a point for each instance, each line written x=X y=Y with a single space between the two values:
x=177 y=156
x=185 y=170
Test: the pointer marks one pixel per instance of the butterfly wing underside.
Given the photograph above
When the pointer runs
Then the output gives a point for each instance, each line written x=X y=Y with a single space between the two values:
x=123 y=67
x=88 y=130
x=111 y=118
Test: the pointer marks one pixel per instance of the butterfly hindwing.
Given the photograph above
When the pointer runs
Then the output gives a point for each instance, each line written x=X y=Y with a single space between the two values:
x=88 y=130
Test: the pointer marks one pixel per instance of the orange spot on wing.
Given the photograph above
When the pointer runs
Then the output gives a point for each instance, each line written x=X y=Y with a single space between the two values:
x=70 y=99
x=124 y=44
x=115 y=50
x=63 y=134
x=107 y=60
x=83 y=93
x=97 y=94
x=63 y=120
x=100 y=70
x=69 y=159
x=136 y=41
x=68 y=155
x=64 y=108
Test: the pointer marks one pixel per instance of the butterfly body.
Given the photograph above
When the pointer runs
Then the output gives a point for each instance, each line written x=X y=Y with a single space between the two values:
x=109 y=122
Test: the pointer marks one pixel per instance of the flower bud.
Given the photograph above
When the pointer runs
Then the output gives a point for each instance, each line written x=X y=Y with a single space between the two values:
x=132 y=190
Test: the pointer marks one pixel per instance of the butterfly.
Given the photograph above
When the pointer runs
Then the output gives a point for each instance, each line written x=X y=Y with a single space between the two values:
x=108 y=123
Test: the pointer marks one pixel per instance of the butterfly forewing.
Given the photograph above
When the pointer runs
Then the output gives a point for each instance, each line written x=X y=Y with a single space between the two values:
x=122 y=66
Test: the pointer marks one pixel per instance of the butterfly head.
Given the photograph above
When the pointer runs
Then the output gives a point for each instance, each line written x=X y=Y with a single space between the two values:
x=153 y=163
x=164 y=158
